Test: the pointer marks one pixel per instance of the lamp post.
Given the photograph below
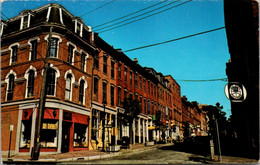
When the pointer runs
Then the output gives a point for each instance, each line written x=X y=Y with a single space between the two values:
x=103 y=125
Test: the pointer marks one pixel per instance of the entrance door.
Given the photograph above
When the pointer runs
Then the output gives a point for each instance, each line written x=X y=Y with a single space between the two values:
x=65 y=136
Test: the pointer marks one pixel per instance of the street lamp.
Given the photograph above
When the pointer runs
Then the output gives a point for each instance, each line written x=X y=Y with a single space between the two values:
x=103 y=124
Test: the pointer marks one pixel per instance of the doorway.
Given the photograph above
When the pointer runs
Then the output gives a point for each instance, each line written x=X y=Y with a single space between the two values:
x=65 y=136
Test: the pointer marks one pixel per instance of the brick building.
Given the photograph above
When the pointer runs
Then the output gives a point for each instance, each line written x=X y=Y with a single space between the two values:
x=86 y=84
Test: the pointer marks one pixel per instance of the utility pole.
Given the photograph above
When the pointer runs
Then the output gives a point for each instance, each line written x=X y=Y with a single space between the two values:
x=36 y=147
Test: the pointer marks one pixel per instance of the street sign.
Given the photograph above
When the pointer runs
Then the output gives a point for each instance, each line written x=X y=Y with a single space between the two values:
x=235 y=92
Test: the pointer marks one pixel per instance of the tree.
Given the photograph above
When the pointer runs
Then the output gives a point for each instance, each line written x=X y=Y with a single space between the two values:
x=132 y=110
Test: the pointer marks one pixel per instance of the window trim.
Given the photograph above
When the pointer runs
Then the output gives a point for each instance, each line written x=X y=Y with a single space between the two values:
x=72 y=81
x=85 y=87
x=58 y=43
x=95 y=77
x=11 y=53
x=86 y=59
x=57 y=75
x=26 y=76
x=73 y=52
x=30 y=43
x=22 y=21
x=7 y=81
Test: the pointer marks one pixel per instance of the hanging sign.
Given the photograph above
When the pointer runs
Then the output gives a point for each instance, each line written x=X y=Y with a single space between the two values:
x=235 y=92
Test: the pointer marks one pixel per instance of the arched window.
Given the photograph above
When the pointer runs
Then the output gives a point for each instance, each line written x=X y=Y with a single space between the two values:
x=68 y=87
x=10 y=90
x=30 y=86
x=81 y=91
x=51 y=82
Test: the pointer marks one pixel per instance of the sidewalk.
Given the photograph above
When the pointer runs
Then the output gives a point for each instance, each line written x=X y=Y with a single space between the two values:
x=82 y=155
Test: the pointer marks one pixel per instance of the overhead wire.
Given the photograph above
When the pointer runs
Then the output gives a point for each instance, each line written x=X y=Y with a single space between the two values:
x=98 y=8
x=176 y=39
x=146 y=16
x=128 y=14
x=4 y=15
x=137 y=16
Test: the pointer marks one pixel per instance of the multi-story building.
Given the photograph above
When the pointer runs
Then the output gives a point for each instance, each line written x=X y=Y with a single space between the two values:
x=87 y=81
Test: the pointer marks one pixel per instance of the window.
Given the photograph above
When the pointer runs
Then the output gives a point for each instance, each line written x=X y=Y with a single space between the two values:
x=105 y=64
x=34 y=45
x=125 y=74
x=135 y=79
x=96 y=89
x=49 y=133
x=96 y=59
x=148 y=107
x=140 y=82
x=70 y=53
x=112 y=95
x=119 y=70
x=131 y=95
x=119 y=96
x=53 y=47
x=83 y=61
x=14 y=54
x=148 y=86
x=80 y=135
x=131 y=78
x=30 y=85
x=141 y=106
x=144 y=84
x=10 y=89
x=81 y=91
x=68 y=87
x=104 y=98
x=125 y=93
x=144 y=105
x=50 y=82
x=112 y=69
x=136 y=96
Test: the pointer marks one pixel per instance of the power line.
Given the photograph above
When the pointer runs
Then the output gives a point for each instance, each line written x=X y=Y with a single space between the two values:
x=98 y=8
x=4 y=15
x=176 y=39
x=221 y=79
x=146 y=16
x=129 y=14
x=138 y=15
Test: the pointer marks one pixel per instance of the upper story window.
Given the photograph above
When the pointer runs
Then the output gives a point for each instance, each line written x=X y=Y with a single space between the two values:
x=131 y=78
x=51 y=78
x=104 y=98
x=144 y=84
x=2 y=27
x=125 y=93
x=68 y=87
x=95 y=89
x=148 y=86
x=112 y=95
x=10 y=88
x=135 y=79
x=53 y=47
x=78 y=26
x=33 y=53
x=30 y=84
x=125 y=74
x=119 y=70
x=96 y=61
x=70 y=53
x=14 y=53
x=25 y=21
x=119 y=96
x=81 y=91
x=112 y=69
x=105 y=64
x=140 y=82
x=83 y=61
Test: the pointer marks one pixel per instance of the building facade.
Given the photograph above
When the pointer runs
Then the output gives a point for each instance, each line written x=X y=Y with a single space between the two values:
x=87 y=81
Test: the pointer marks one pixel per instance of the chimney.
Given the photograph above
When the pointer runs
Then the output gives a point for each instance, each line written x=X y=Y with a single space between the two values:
x=136 y=60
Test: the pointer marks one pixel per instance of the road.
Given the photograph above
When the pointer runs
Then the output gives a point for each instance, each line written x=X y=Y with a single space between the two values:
x=164 y=155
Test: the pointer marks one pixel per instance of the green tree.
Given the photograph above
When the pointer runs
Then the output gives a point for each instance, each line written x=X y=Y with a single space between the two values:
x=132 y=110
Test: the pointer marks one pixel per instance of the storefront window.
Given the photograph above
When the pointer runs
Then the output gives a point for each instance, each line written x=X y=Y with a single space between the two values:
x=80 y=135
x=49 y=133
x=26 y=134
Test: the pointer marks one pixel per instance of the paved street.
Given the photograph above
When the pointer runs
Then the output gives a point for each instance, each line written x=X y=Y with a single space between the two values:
x=163 y=155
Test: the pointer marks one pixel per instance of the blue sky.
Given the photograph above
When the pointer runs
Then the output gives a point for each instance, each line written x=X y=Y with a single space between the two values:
x=201 y=57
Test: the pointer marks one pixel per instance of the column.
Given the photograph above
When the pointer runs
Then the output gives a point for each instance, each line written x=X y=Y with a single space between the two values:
x=133 y=127
x=147 y=132
x=143 y=132
x=116 y=128
x=18 y=132
x=60 y=131
x=139 y=132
